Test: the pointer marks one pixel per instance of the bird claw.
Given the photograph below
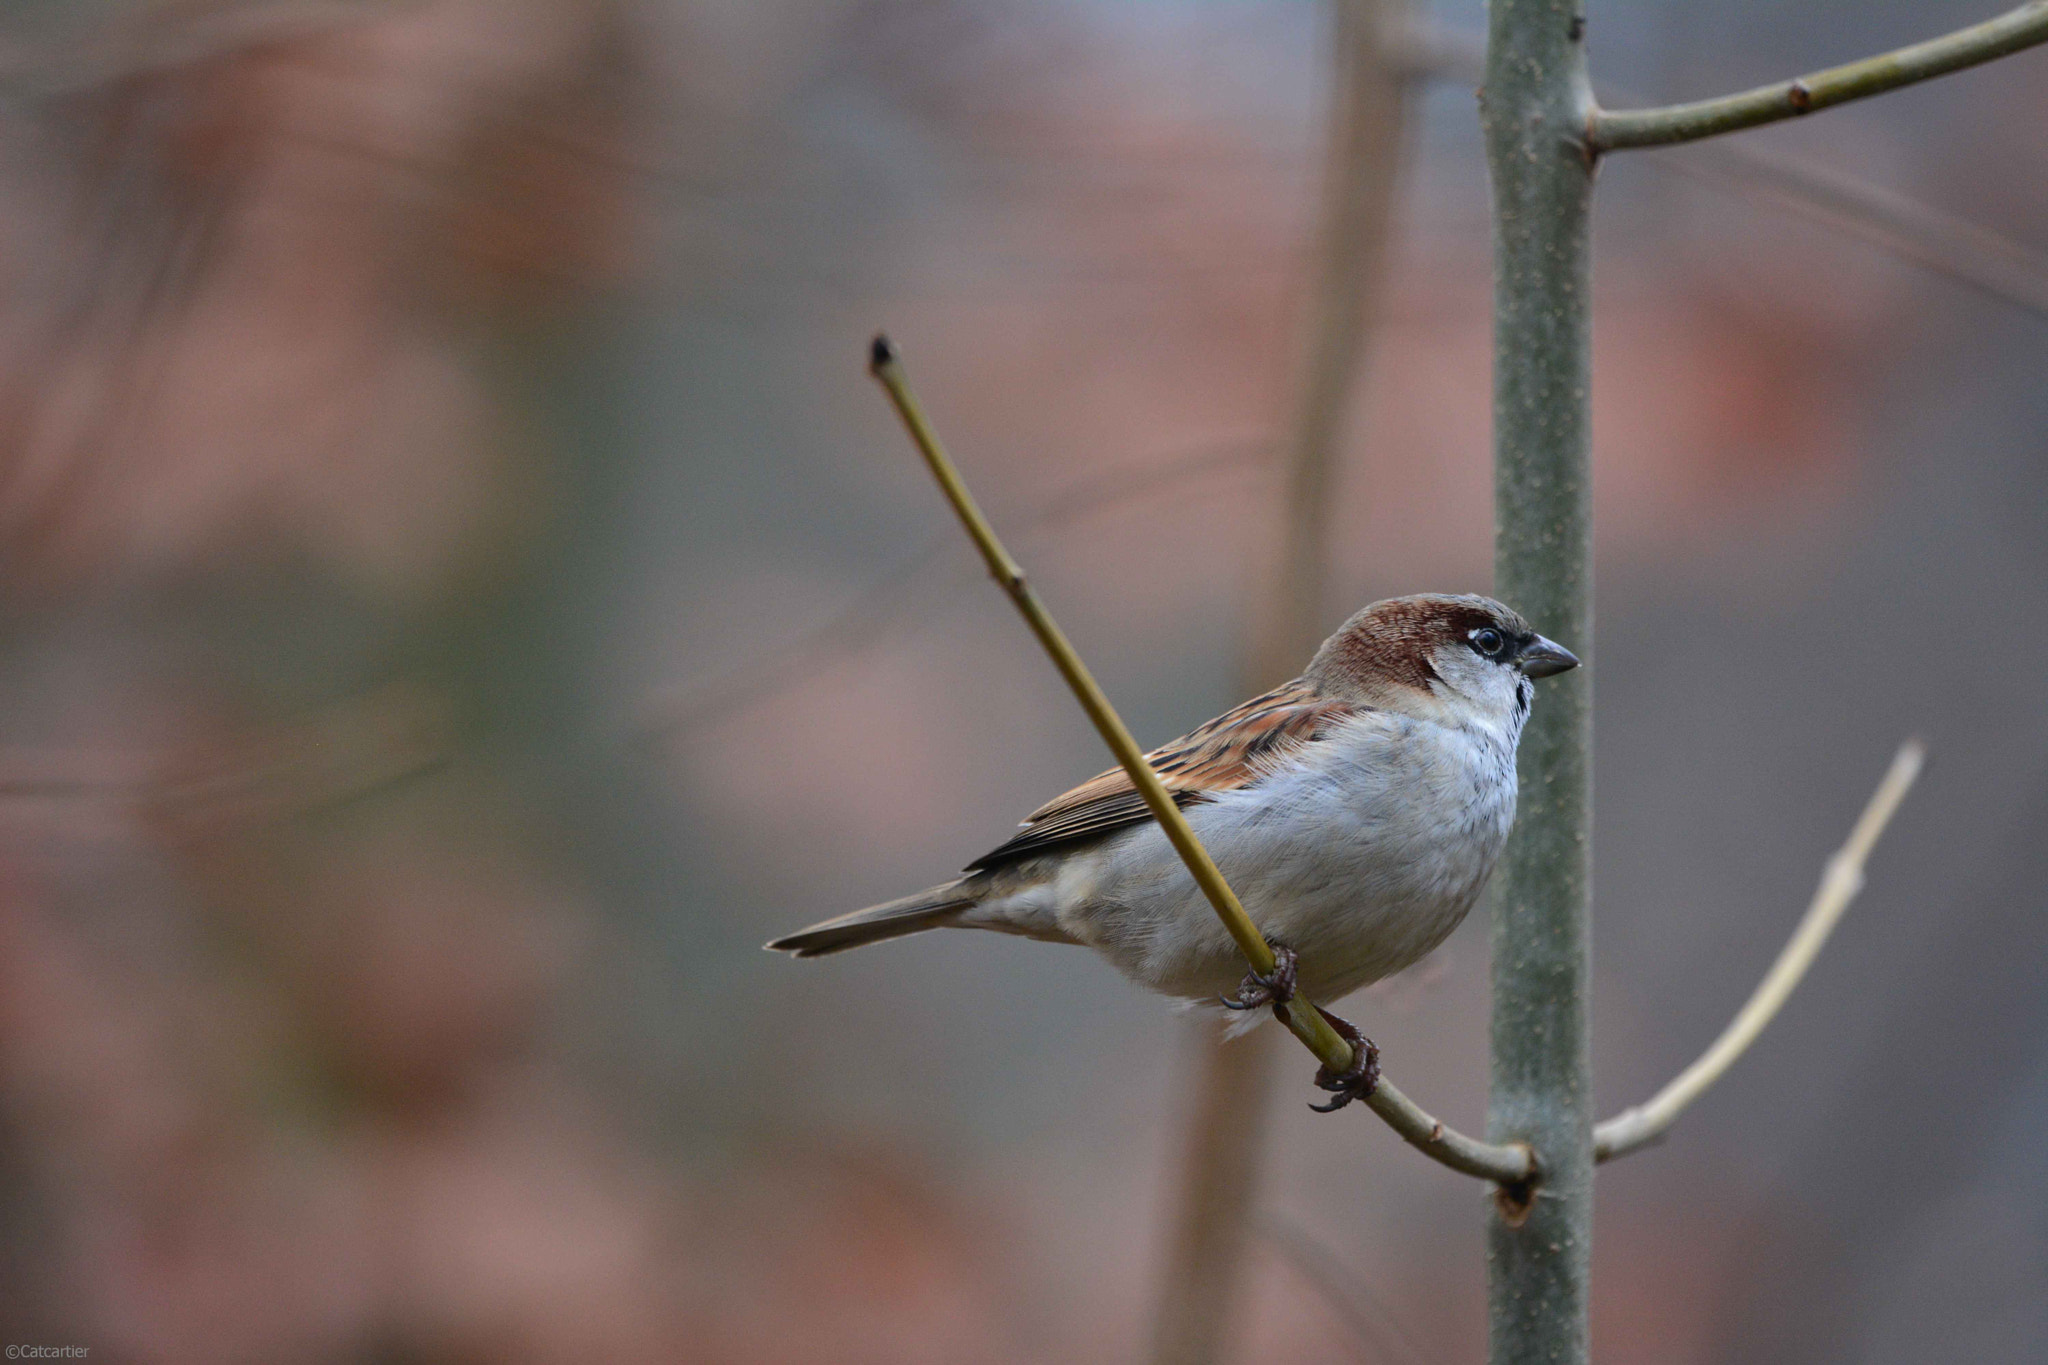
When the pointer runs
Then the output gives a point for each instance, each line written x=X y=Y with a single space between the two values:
x=1355 y=1082
x=1256 y=991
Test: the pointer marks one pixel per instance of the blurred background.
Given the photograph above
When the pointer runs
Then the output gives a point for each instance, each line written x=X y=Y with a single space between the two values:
x=461 y=594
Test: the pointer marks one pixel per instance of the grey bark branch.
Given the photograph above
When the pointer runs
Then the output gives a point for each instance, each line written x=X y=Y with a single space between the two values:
x=1840 y=882
x=1616 y=129
x=1369 y=1316
x=1942 y=242
x=1533 y=108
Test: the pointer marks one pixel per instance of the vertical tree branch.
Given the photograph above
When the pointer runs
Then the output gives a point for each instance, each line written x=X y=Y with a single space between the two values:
x=1226 y=1137
x=1534 y=109
x=1367 y=136
x=1227 y=1126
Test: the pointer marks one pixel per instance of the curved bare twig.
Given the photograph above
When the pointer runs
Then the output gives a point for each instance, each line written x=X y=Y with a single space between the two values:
x=1609 y=130
x=1839 y=883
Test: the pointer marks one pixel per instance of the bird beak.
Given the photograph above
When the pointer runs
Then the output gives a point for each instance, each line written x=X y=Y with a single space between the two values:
x=1540 y=658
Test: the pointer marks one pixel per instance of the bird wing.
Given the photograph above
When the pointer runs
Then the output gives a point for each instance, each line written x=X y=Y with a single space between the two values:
x=1234 y=750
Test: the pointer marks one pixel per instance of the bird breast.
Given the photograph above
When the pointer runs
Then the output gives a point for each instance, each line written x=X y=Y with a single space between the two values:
x=1362 y=854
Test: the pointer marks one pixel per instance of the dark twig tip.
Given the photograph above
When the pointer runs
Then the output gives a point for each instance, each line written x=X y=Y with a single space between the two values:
x=881 y=351
x=1357 y=1081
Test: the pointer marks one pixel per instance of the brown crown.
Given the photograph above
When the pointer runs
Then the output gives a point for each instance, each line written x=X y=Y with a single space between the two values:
x=1392 y=642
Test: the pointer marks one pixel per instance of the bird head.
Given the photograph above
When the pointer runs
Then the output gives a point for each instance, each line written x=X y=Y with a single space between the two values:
x=1439 y=656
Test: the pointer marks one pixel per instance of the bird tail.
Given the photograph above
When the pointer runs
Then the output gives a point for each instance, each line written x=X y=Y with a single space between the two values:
x=931 y=909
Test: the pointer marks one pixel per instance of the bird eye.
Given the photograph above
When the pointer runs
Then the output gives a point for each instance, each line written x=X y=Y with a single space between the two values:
x=1489 y=642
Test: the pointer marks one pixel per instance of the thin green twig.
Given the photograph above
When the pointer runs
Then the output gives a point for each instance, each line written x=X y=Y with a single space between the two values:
x=1966 y=252
x=1839 y=883
x=1609 y=130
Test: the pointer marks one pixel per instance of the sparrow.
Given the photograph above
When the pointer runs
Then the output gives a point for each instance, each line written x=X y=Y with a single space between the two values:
x=1357 y=811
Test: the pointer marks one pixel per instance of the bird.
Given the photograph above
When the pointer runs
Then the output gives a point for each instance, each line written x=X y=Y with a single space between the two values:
x=1357 y=810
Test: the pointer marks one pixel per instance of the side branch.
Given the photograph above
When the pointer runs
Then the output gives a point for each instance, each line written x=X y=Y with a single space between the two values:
x=1839 y=883
x=1964 y=251
x=1612 y=130
x=1509 y=1164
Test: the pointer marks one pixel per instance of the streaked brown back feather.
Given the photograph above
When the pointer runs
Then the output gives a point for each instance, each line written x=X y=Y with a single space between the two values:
x=1234 y=750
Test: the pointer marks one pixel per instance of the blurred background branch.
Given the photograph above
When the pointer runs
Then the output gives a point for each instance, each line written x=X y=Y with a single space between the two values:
x=1375 y=1322
x=860 y=624
x=1946 y=243
x=1365 y=142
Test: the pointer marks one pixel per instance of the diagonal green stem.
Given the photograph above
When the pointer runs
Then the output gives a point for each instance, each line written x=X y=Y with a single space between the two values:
x=1323 y=1040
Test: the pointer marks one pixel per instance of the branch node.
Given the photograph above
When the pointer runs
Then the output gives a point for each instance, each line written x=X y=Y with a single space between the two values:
x=1514 y=1202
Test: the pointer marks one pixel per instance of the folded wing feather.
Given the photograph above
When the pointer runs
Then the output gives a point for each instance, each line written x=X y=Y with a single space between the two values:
x=1234 y=750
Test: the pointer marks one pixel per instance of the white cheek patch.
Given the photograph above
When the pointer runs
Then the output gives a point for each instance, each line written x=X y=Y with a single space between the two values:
x=1480 y=692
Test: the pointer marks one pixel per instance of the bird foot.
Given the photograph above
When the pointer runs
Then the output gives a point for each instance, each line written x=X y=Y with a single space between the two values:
x=1355 y=1082
x=1256 y=991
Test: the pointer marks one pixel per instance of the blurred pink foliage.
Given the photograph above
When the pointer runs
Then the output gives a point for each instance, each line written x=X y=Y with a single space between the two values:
x=278 y=1074
x=248 y=274
x=296 y=1106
